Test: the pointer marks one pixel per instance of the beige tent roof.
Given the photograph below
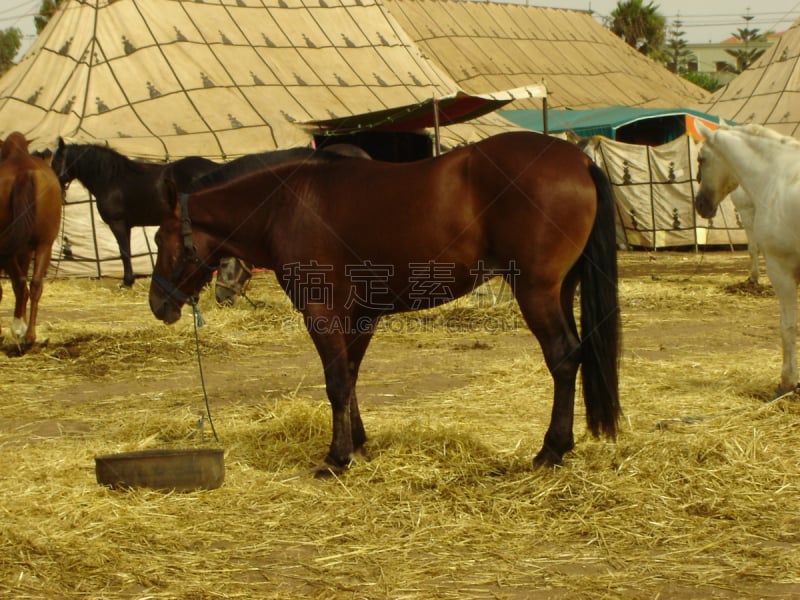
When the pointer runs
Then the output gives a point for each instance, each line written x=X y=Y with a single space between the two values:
x=220 y=78
x=488 y=46
x=767 y=93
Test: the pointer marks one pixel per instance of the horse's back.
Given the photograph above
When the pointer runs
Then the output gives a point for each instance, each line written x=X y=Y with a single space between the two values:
x=514 y=198
x=22 y=174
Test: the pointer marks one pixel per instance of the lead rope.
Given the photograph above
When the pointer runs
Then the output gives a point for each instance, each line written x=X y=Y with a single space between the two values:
x=198 y=322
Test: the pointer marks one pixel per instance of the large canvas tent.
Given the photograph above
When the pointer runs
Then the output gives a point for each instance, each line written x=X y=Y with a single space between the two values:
x=767 y=92
x=163 y=79
x=485 y=46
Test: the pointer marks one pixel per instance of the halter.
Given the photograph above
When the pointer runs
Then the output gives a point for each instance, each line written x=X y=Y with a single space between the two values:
x=61 y=171
x=188 y=256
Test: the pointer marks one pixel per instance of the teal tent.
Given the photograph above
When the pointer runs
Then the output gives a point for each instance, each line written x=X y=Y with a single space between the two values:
x=651 y=126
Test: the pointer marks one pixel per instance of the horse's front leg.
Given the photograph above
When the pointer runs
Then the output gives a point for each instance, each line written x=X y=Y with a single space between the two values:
x=357 y=341
x=752 y=249
x=330 y=341
x=122 y=233
x=782 y=278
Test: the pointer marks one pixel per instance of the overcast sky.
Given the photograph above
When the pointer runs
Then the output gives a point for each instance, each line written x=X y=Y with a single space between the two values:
x=703 y=20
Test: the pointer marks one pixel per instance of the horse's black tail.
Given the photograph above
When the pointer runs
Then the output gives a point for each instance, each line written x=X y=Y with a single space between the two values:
x=600 y=316
x=23 y=214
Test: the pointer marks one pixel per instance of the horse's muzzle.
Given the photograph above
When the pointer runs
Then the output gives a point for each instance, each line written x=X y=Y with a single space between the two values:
x=704 y=205
x=164 y=309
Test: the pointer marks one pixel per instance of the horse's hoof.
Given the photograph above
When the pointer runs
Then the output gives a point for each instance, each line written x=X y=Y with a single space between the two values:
x=547 y=458
x=34 y=346
x=17 y=350
x=326 y=471
x=780 y=393
x=336 y=466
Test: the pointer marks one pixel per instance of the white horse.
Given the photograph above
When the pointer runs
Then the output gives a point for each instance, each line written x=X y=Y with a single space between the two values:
x=767 y=167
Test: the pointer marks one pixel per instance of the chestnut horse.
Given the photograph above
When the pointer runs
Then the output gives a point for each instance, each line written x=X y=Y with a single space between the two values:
x=30 y=217
x=351 y=240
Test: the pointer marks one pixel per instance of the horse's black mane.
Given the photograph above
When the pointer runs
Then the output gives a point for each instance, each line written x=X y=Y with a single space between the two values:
x=253 y=162
x=101 y=163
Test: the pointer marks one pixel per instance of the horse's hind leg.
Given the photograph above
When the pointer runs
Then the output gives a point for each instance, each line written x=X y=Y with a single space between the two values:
x=17 y=273
x=41 y=262
x=556 y=333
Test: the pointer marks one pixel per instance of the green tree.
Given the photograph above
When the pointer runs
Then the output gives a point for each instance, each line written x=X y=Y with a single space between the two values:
x=640 y=26
x=46 y=10
x=746 y=56
x=10 y=43
x=675 y=51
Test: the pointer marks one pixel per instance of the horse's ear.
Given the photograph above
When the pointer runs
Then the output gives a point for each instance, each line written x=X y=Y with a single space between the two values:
x=61 y=144
x=703 y=130
x=169 y=192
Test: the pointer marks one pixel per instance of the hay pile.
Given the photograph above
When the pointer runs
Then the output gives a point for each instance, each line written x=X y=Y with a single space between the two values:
x=697 y=498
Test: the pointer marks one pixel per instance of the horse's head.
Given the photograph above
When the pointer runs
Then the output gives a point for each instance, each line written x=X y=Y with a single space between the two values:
x=179 y=273
x=713 y=174
x=14 y=145
x=60 y=163
x=233 y=275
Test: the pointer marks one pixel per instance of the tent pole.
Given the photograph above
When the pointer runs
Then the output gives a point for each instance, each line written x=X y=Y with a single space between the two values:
x=545 y=125
x=437 y=147
x=689 y=141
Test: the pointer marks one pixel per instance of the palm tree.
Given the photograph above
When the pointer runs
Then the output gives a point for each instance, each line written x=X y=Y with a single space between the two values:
x=640 y=26
x=746 y=55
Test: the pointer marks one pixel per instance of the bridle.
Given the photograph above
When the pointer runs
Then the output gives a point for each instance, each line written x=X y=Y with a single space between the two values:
x=61 y=173
x=188 y=256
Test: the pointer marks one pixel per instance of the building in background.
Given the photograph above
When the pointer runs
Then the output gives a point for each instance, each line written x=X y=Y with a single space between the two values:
x=713 y=59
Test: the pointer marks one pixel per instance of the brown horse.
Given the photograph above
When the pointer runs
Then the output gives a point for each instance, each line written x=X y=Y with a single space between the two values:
x=30 y=216
x=351 y=240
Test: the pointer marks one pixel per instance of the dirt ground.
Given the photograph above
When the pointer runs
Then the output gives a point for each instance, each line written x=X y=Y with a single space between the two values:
x=698 y=347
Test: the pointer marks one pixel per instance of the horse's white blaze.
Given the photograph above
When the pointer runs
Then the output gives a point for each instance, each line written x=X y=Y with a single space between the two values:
x=766 y=165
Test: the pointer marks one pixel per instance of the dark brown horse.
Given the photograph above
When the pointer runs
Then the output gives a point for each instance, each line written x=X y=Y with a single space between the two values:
x=30 y=216
x=126 y=190
x=352 y=240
